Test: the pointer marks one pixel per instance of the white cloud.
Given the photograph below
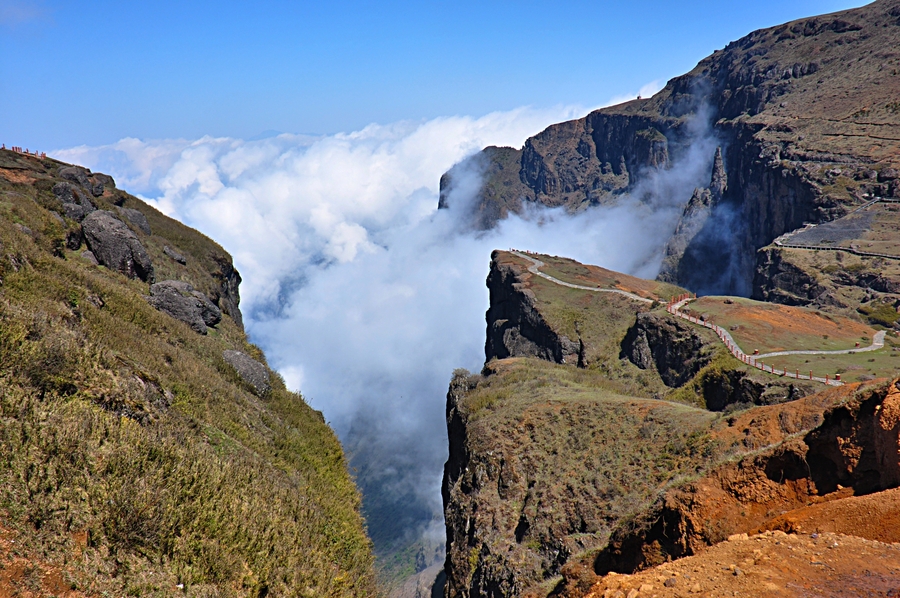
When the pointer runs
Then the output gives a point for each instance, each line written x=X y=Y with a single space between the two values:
x=361 y=292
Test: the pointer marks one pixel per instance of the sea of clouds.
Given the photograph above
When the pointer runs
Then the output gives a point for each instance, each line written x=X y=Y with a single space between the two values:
x=363 y=295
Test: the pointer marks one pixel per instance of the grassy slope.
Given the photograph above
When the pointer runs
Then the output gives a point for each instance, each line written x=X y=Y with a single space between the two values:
x=638 y=446
x=591 y=441
x=571 y=271
x=587 y=454
x=601 y=321
x=203 y=483
x=592 y=444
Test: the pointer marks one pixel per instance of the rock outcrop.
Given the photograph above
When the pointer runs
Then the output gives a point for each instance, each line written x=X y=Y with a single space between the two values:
x=824 y=279
x=182 y=302
x=137 y=218
x=76 y=203
x=669 y=345
x=174 y=255
x=115 y=246
x=853 y=446
x=806 y=113
x=693 y=219
x=681 y=356
x=250 y=371
x=227 y=296
x=515 y=328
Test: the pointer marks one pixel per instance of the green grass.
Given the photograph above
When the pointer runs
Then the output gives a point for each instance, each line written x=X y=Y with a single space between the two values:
x=600 y=321
x=570 y=271
x=122 y=423
x=577 y=456
x=880 y=313
x=625 y=439
x=853 y=368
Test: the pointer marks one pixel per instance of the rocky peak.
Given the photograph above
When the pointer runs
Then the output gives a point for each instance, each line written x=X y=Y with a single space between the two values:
x=515 y=326
x=805 y=110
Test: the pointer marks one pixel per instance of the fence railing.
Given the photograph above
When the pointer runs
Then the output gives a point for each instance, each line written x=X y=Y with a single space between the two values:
x=26 y=151
x=674 y=307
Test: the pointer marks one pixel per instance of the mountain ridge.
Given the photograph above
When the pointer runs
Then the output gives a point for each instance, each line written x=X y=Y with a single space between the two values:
x=800 y=142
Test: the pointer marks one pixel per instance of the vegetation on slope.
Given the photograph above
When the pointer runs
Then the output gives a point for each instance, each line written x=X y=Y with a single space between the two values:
x=546 y=460
x=131 y=453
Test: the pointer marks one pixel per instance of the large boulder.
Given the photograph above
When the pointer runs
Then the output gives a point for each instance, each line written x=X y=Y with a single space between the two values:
x=76 y=174
x=667 y=344
x=174 y=255
x=251 y=371
x=93 y=183
x=137 y=218
x=116 y=246
x=179 y=300
x=76 y=203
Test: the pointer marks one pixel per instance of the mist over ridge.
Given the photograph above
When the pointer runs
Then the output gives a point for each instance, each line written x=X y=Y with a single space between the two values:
x=364 y=295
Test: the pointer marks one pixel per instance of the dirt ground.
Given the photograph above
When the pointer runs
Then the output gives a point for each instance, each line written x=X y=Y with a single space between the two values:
x=16 y=176
x=772 y=327
x=23 y=575
x=826 y=565
x=595 y=276
x=874 y=517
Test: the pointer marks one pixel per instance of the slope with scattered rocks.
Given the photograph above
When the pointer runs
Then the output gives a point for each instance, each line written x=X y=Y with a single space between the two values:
x=145 y=446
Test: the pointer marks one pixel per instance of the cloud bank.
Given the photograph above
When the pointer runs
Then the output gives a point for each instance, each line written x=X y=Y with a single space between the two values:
x=365 y=296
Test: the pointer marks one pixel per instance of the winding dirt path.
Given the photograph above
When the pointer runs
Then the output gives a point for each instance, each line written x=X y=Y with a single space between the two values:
x=877 y=343
x=536 y=264
x=674 y=308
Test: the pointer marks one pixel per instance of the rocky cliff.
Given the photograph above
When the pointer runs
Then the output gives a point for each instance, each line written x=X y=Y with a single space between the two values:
x=806 y=114
x=146 y=448
x=800 y=125
x=516 y=327
x=849 y=448
x=543 y=462
x=552 y=445
x=561 y=471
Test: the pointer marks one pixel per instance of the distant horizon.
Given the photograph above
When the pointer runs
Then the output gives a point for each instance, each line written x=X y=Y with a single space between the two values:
x=94 y=73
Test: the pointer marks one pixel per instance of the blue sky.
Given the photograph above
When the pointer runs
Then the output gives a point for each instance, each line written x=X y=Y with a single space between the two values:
x=362 y=294
x=76 y=72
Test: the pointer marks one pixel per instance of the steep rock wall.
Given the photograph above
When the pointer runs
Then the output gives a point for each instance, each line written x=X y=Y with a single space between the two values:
x=805 y=113
x=669 y=345
x=855 y=446
x=515 y=328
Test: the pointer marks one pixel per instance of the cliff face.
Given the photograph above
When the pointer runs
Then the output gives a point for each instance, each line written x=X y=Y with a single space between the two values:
x=516 y=328
x=145 y=445
x=670 y=346
x=851 y=449
x=559 y=451
x=805 y=113
x=539 y=472
x=832 y=280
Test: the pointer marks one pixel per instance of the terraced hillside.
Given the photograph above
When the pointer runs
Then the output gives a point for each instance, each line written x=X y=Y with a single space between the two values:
x=145 y=447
